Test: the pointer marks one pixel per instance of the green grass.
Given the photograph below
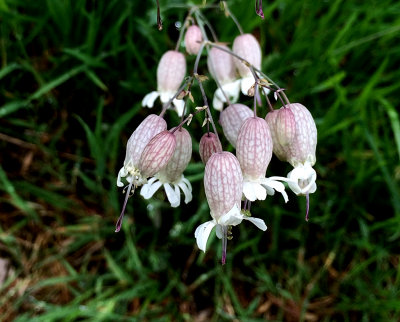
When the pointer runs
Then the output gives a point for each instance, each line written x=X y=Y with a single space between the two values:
x=72 y=77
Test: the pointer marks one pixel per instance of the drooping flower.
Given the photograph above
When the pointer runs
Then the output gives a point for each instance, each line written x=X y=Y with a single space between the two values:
x=193 y=39
x=223 y=183
x=232 y=118
x=254 y=152
x=150 y=127
x=171 y=71
x=247 y=47
x=171 y=176
x=300 y=152
x=156 y=154
x=221 y=66
x=209 y=144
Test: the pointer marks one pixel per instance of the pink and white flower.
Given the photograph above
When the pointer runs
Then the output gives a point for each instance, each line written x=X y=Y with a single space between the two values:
x=247 y=47
x=300 y=151
x=171 y=71
x=223 y=183
x=232 y=118
x=221 y=66
x=171 y=176
x=254 y=152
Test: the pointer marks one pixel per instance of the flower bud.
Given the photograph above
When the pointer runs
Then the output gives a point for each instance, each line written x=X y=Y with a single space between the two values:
x=254 y=148
x=180 y=159
x=285 y=126
x=232 y=118
x=170 y=73
x=209 y=144
x=221 y=66
x=223 y=183
x=157 y=153
x=247 y=47
x=193 y=40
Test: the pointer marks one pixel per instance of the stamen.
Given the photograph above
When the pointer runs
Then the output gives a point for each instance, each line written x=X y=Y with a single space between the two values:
x=121 y=216
x=259 y=10
x=308 y=205
x=224 y=243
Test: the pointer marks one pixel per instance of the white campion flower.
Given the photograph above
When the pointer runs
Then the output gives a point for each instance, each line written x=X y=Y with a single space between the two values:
x=221 y=67
x=299 y=151
x=223 y=183
x=171 y=177
x=155 y=156
x=171 y=71
x=254 y=152
x=232 y=118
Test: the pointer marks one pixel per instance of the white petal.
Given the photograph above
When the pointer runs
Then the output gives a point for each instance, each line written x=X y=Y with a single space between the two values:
x=259 y=223
x=150 y=188
x=217 y=103
x=278 y=186
x=187 y=183
x=186 y=190
x=122 y=173
x=260 y=191
x=179 y=105
x=166 y=96
x=232 y=90
x=173 y=197
x=246 y=83
x=202 y=233
x=149 y=99
x=266 y=91
x=303 y=173
x=248 y=191
x=232 y=218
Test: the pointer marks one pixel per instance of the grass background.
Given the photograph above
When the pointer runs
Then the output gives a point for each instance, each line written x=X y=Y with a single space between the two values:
x=72 y=76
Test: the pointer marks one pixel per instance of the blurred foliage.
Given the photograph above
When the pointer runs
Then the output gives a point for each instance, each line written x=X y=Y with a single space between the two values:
x=72 y=76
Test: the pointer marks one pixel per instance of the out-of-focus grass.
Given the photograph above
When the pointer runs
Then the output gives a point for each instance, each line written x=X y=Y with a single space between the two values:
x=71 y=80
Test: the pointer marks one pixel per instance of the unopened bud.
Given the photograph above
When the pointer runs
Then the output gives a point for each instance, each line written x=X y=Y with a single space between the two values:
x=193 y=40
x=209 y=144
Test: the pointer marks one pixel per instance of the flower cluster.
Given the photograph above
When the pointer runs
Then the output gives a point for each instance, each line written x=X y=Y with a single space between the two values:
x=157 y=157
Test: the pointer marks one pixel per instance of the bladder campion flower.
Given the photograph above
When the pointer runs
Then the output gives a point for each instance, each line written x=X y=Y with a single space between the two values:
x=232 y=118
x=254 y=152
x=171 y=71
x=223 y=183
x=171 y=176
x=247 y=47
x=221 y=66
x=300 y=152
x=156 y=154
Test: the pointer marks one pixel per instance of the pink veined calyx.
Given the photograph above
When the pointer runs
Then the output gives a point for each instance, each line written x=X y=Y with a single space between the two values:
x=223 y=184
